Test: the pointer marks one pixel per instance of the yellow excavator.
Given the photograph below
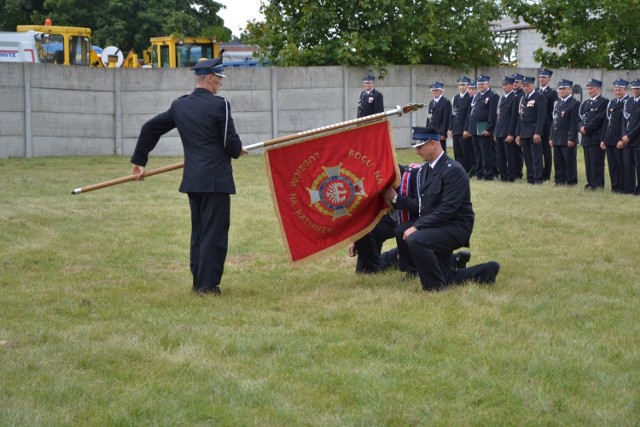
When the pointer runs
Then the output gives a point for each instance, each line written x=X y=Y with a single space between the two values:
x=179 y=52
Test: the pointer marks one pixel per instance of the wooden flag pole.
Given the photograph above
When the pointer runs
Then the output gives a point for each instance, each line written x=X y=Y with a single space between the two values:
x=398 y=110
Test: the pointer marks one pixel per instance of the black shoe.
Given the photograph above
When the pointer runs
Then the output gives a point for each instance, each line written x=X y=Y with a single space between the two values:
x=435 y=288
x=205 y=291
x=490 y=273
x=461 y=259
x=408 y=276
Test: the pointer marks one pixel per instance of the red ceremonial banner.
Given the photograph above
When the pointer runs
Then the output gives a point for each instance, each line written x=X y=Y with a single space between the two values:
x=327 y=189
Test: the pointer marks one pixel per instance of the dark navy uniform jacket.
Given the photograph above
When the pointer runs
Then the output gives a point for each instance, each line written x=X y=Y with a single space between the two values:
x=551 y=96
x=439 y=114
x=201 y=119
x=631 y=122
x=459 y=113
x=373 y=103
x=444 y=199
x=612 y=132
x=565 y=121
x=483 y=109
x=592 y=117
x=507 y=115
x=532 y=113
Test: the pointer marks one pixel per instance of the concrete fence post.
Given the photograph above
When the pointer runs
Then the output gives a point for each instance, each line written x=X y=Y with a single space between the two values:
x=345 y=93
x=274 y=102
x=28 y=134
x=117 y=99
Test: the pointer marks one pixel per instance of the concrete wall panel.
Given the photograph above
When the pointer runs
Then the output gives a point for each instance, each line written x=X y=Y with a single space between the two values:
x=11 y=98
x=72 y=146
x=12 y=124
x=70 y=125
x=11 y=146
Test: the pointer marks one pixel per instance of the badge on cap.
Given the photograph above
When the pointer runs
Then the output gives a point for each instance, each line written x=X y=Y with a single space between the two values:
x=594 y=82
x=545 y=73
x=620 y=83
x=422 y=135
x=565 y=83
x=209 y=66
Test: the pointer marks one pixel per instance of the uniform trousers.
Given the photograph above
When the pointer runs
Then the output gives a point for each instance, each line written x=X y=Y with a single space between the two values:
x=615 y=160
x=565 y=163
x=369 y=248
x=631 y=170
x=484 y=157
x=594 y=166
x=506 y=159
x=519 y=163
x=547 y=161
x=210 y=220
x=532 y=154
x=430 y=252
x=463 y=152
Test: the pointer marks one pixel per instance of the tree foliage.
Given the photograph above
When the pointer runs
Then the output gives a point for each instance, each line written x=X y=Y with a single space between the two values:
x=128 y=24
x=376 y=32
x=584 y=33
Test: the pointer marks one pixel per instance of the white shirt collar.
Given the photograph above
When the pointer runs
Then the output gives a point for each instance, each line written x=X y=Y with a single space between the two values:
x=435 y=162
x=438 y=98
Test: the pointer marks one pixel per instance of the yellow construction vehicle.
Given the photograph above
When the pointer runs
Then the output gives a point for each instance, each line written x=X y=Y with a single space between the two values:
x=60 y=45
x=57 y=44
x=178 y=52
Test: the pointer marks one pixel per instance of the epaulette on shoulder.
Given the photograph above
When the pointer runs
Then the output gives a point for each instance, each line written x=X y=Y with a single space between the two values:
x=218 y=96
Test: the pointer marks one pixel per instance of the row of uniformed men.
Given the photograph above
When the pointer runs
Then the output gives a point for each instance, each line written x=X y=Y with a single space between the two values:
x=492 y=134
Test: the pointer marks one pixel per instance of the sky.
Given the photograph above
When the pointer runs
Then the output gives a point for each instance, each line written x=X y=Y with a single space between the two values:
x=238 y=12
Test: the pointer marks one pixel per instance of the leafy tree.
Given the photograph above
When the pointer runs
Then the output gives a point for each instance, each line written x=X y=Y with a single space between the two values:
x=583 y=33
x=128 y=24
x=376 y=32
x=18 y=12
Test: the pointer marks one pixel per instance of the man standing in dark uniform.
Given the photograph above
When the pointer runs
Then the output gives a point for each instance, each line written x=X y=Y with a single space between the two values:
x=370 y=101
x=631 y=141
x=612 y=135
x=462 y=145
x=505 y=131
x=532 y=112
x=518 y=92
x=369 y=247
x=544 y=78
x=210 y=142
x=439 y=112
x=445 y=219
x=481 y=125
x=564 y=135
x=592 y=121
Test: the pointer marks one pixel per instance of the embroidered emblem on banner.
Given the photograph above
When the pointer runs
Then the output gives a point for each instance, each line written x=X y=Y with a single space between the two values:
x=336 y=192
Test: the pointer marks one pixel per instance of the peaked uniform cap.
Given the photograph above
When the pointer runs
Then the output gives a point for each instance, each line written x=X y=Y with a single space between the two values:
x=421 y=135
x=209 y=66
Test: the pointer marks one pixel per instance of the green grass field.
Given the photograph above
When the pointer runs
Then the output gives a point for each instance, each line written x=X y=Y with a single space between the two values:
x=98 y=325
